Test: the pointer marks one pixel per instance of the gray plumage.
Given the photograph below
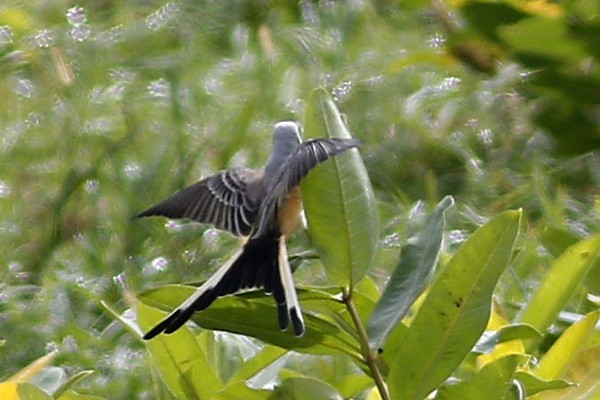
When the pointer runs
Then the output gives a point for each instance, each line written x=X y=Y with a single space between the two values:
x=249 y=203
x=228 y=200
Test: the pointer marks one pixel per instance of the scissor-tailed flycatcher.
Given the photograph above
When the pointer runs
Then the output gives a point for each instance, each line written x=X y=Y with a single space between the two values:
x=264 y=205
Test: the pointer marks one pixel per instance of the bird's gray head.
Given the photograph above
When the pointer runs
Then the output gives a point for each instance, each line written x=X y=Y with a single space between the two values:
x=286 y=138
x=287 y=133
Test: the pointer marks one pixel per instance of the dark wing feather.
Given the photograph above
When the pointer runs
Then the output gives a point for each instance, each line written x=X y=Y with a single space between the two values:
x=307 y=156
x=223 y=199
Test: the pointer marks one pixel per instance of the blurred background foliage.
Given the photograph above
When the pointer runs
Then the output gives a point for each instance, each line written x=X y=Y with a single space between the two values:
x=107 y=107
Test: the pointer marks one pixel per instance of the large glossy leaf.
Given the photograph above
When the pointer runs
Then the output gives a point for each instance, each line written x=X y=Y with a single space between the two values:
x=255 y=315
x=559 y=284
x=338 y=200
x=410 y=277
x=566 y=348
x=179 y=359
x=492 y=382
x=455 y=312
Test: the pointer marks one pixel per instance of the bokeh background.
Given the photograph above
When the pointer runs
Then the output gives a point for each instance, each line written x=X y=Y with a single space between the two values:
x=107 y=107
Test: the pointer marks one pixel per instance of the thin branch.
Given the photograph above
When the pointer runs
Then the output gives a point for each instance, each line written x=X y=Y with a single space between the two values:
x=370 y=357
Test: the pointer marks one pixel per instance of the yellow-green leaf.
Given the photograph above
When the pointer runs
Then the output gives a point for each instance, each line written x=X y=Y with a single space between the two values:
x=182 y=365
x=492 y=382
x=410 y=277
x=254 y=314
x=338 y=200
x=566 y=348
x=559 y=284
x=455 y=312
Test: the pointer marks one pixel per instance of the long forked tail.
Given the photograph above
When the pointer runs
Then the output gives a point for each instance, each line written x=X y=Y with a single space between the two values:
x=262 y=262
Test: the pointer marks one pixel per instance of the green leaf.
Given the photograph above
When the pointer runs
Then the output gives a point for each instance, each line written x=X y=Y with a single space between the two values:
x=362 y=298
x=487 y=18
x=493 y=382
x=585 y=372
x=303 y=388
x=71 y=382
x=490 y=339
x=559 y=284
x=548 y=37
x=257 y=317
x=455 y=312
x=34 y=367
x=534 y=384
x=338 y=200
x=352 y=385
x=557 y=239
x=566 y=348
x=592 y=279
x=11 y=390
x=179 y=359
x=256 y=364
x=27 y=391
x=410 y=277
x=239 y=390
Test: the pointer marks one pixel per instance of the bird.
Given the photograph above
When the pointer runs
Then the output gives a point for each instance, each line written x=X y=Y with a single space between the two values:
x=264 y=206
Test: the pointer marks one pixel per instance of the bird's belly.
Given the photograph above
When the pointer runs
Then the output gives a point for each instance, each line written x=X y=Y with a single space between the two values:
x=290 y=212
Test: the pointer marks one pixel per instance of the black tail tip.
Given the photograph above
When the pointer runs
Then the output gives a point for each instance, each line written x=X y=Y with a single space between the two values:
x=152 y=333
x=168 y=325
x=297 y=322
x=142 y=214
x=286 y=315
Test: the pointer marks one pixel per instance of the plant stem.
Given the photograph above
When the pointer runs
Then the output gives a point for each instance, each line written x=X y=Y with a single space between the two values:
x=370 y=357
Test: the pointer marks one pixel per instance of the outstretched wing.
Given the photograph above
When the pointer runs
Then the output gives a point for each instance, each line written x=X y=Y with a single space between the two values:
x=226 y=200
x=307 y=156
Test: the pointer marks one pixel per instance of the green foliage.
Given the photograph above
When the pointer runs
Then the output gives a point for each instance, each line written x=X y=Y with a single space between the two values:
x=418 y=259
x=554 y=43
x=338 y=200
x=493 y=381
x=231 y=314
x=454 y=313
x=180 y=361
x=109 y=107
x=560 y=282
